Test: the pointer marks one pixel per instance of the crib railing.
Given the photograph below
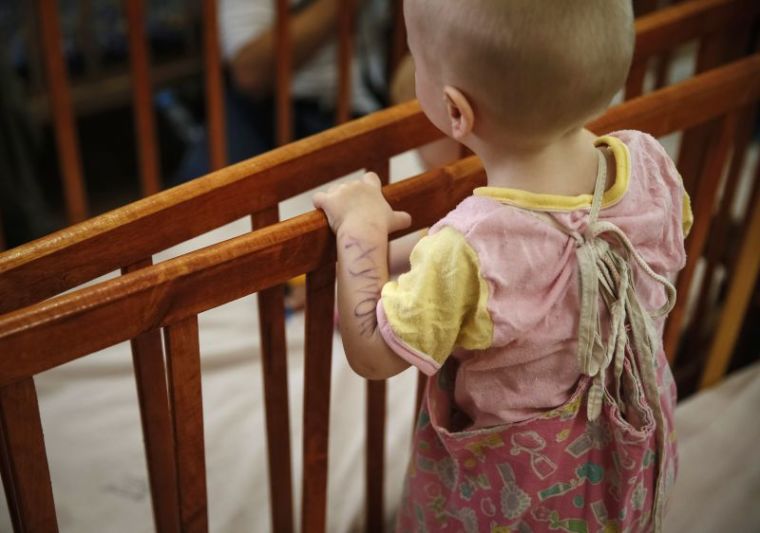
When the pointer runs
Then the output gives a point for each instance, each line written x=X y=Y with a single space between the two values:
x=721 y=26
x=62 y=110
x=171 y=294
x=83 y=252
x=79 y=252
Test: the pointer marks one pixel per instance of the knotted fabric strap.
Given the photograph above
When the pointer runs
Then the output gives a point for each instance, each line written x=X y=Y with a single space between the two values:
x=604 y=255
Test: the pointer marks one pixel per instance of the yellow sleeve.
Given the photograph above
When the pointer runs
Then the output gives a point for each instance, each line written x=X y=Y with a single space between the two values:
x=687 y=217
x=439 y=305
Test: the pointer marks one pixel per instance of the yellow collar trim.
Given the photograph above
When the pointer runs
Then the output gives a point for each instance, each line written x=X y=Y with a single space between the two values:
x=555 y=202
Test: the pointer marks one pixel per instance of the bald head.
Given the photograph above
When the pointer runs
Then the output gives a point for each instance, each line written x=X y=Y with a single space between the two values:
x=535 y=66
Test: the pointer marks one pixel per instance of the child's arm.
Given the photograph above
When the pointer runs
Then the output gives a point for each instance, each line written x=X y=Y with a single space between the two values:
x=362 y=220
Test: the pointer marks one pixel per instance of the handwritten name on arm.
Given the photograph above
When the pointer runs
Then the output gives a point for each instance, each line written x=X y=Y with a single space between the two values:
x=361 y=265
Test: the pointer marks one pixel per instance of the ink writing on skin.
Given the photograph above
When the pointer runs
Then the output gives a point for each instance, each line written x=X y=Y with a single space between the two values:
x=361 y=265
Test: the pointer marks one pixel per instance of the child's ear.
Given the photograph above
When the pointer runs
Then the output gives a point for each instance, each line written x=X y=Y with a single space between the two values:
x=461 y=115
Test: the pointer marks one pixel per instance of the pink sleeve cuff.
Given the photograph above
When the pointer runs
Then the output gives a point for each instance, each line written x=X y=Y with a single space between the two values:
x=424 y=362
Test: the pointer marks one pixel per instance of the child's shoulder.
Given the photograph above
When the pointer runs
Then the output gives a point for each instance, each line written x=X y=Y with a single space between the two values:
x=648 y=158
x=474 y=212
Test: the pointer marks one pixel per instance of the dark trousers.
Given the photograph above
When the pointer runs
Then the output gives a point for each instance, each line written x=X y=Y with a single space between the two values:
x=251 y=131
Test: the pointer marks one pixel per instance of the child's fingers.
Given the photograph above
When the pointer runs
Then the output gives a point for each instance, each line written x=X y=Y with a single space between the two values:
x=370 y=178
x=319 y=200
x=400 y=220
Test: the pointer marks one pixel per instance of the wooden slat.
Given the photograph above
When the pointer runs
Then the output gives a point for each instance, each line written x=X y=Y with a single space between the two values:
x=666 y=29
x=694 y=143
x=8 y=484
x=90 y=97
x=662 y=69
x=212 y=59
x=754 y=195
x=714 y=50
x=634 y=85
x=150 y=377
x=703 y=203
x=283 y=74
x=740 y=291
x=63 y=116
x=86 y=251
x=207 y=278
x=686 y=104
x=375 y=451
x=145 y=120
x=274 y=365
x=346 y=17
x=383 y=170
x=375 y=456
x=184 y=370
x=719 y=238
x=75 y=255
x=27 y=464
x=320 y=305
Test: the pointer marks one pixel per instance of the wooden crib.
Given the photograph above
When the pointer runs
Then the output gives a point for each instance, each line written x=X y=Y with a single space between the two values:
x=42 y=328
x=721 y=28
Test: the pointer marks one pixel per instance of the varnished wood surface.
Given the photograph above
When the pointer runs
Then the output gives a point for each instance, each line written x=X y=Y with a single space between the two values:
x=6 y=472
x=320 y=306
x=28 y=466
x=142 y=101
x=375 y=450
x=714 y=50
x=375 y=456
x=184 y=372
x=213 y=82
x=150 y=377
x=720 y=238
x=66 y=135
x=69 y=257
x=664 y=29
x=74 y=255
x=740 y=292
x=114 y=89
x=158 y=433
x=187 y=285
x=274 y=367
x=702 y=204
x=660 y=31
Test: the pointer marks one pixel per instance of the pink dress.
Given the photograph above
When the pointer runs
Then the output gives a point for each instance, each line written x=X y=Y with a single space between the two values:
x=553 y=410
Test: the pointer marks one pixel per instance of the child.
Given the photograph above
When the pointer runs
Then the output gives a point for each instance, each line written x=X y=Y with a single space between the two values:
x=538 y=303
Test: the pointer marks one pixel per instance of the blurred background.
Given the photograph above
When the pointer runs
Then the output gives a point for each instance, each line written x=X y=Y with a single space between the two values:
x=96 y=55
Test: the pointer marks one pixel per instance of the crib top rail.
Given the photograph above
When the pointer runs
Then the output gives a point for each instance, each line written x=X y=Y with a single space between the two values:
x=665 y=29
x=97 y=246
x=80 y=253
x=169 y=292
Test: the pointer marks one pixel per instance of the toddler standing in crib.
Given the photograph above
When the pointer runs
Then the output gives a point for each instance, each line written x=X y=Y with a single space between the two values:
x=537 y=305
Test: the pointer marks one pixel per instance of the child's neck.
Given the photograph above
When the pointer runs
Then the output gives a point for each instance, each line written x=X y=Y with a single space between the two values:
x=567 y=166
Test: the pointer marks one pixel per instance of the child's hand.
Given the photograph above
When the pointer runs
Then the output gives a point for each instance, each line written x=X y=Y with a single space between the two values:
x=360 y=203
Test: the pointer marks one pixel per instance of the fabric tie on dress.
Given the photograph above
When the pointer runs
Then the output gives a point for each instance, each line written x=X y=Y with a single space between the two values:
x=604 y=266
